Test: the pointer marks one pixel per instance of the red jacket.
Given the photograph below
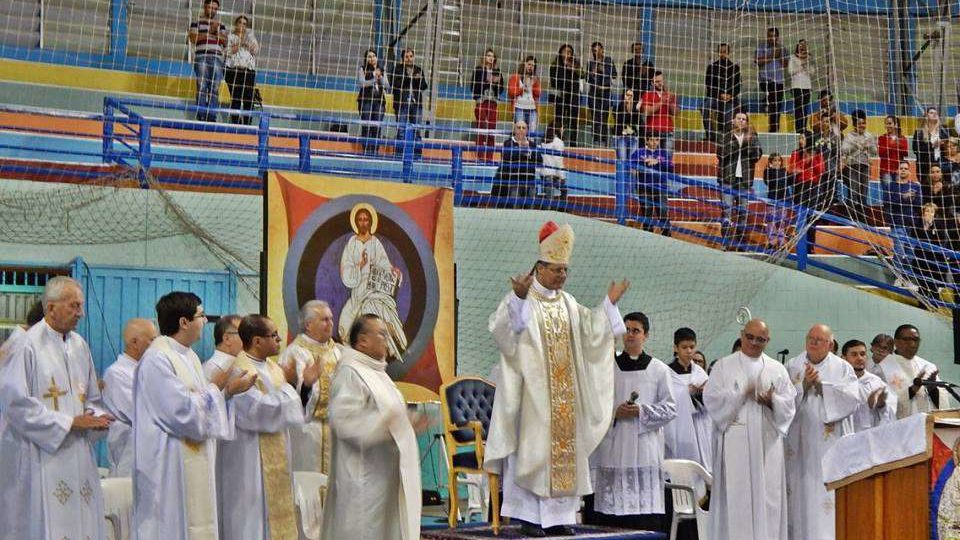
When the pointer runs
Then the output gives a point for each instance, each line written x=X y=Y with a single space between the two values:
x=806 y=169
x=891 y=152
x=662 y=120
x=514 y=91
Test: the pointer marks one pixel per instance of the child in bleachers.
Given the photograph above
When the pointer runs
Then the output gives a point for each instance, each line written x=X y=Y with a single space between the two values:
x=777 y=179
x=553 y=175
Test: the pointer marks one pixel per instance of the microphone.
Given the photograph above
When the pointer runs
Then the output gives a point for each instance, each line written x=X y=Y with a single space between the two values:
x=634 y=396
x=784 y=352
x=938 y=384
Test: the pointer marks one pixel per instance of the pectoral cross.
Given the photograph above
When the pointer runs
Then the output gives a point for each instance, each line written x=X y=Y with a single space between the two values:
x=54 y=392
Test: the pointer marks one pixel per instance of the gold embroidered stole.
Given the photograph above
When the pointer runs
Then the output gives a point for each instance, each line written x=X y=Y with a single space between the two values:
x=325 y=353
x=197 y=469
x=554 y=324
x=274 y=465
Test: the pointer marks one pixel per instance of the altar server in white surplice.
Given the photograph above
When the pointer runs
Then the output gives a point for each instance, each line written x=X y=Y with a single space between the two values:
x=554 y=403
x=52 y=415
x=903 y=370
x=314 y=354
x=689 y=435
x=118 y=394
x=878 y=404
x=751 y=400
x=827 y=396
x=255 y=487
x=178 y=415
x=226 y=339
x=375 y=471
x=627 y=467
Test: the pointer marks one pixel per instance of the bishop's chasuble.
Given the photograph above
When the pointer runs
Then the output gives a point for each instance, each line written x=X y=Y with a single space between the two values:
x=553 y=402
x=178 y=416
x=255 y=487
x=50 y=487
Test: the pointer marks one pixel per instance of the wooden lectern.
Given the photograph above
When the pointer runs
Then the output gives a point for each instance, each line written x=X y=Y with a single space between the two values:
x=886 y=478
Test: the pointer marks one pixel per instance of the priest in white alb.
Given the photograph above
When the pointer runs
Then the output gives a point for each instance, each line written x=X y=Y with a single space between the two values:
x=690 y=434
x=52 y=415
x=314 y=354
x=118 y=394
x=254 y=479
x=827 y=396
x=751 y=400
x=553 y=404
x=227 y=345
x=627 y=467
x=908 y=375
x=375 y=469
x=177 y=418
x=878 y=404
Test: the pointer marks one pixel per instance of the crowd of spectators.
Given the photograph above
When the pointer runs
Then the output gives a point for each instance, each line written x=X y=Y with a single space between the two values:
x=633 y=110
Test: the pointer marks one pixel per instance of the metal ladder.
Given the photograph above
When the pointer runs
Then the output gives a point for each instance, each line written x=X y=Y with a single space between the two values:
x=446 y=58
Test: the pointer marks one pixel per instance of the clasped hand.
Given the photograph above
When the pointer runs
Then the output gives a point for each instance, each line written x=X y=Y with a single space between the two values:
x=627 y=410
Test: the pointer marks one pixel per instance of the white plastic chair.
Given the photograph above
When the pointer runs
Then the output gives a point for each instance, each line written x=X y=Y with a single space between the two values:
x=309 y=488
x=687 y=483
x=118 y=507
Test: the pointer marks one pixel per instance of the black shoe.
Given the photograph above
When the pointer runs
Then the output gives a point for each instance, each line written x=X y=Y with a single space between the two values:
x=560 y=530
x=531 y=530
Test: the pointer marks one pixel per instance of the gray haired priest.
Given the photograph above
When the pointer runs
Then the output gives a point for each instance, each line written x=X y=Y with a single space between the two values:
x=556 y=387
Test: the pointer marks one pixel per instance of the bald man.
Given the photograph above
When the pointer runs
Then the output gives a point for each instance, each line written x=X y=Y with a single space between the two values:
x=828 y=395
x=751 y=402
x=118 y=393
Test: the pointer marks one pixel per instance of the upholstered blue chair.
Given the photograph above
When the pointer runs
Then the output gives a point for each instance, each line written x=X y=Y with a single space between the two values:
x=467 y=404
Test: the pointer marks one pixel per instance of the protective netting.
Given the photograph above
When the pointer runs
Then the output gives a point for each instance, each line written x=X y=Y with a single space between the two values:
x=671 y=158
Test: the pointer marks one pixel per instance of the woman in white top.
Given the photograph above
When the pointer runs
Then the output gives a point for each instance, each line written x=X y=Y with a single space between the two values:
x=553 y=175
x=801 y=84
x=241 y=67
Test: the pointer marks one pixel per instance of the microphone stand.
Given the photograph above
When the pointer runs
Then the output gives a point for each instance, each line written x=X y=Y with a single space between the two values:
x=946 y=385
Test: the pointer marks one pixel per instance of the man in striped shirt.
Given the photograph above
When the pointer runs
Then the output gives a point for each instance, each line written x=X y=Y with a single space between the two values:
x=208 y=36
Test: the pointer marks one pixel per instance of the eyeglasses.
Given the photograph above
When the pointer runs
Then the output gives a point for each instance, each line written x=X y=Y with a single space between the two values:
x=198 y=316
x=274 y=335
x=817 y=340
x=760 y=340
x=908 y=338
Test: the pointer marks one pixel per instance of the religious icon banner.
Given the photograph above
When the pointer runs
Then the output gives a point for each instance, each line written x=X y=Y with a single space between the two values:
x=367 y=247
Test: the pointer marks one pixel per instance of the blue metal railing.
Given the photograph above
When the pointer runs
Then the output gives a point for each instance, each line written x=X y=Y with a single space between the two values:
x=608 y=190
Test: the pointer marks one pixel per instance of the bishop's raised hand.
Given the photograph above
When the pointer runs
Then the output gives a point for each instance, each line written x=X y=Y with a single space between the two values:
x=617 y=290
x=521 y=284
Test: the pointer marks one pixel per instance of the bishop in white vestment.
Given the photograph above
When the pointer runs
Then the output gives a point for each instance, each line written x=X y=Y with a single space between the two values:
x=254 y=479
x=118 y=394
x=178 y=416
x=50 y=399
x=374 y=484
x=751 y=400
x=627 y=467
x=553 y=405
x=878 y=405
x=827 y=396
x=903 y=368
x=315 y=355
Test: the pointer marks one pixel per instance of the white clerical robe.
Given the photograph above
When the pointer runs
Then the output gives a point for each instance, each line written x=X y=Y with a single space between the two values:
x=219 y=360
x=900 y=373
x=875 y=368
x=118 y=397
x=50 y=485
x=627 y=467
x=564 y=396
x=865 y=417
x=374 y=485
x=689 y=435
x=177 y=417
x=749 y=496
x=309 y=441
x=821 y=419
x=242 y=496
